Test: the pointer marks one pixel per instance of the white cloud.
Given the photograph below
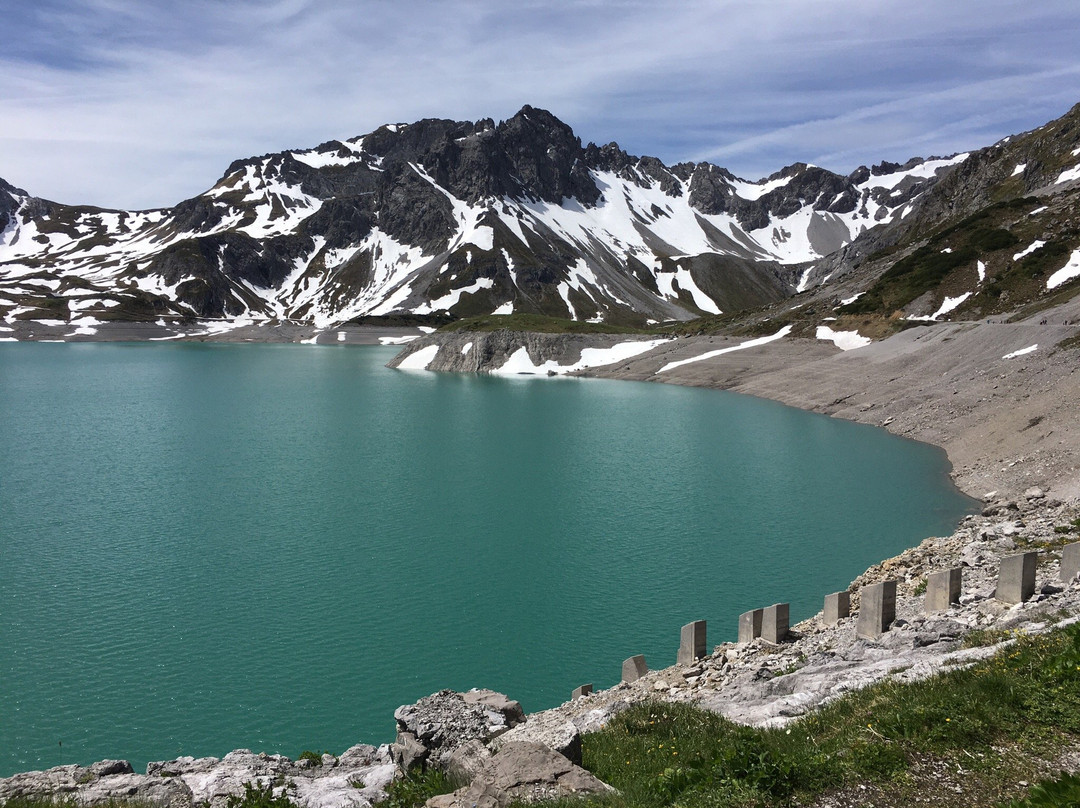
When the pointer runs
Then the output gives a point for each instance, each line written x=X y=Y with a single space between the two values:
x=140 y=103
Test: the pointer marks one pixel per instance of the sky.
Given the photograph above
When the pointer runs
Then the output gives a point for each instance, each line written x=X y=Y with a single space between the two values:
x=140 y=103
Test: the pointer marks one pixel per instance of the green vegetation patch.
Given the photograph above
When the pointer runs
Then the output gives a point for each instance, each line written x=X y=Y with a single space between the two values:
x=951 y=249
x=260 y=796
x=1062 y=792
x=995 y=720
x=909 y=278
x=418 y=787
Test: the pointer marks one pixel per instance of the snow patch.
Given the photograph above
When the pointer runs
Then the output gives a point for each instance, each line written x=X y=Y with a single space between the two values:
x=419 y=360
x=921 y=171
x=783 y=332
x=451 y=298
x=847 y=301
x=1022 y=352
x=844 y=340
x=1019 y=169
x=466 y=348
x=519 y=361
x=1029 y=250
x=323 y=159
x=397 y=340
x=980 y=267
x=1068 y=175
x=948 y=305
x=665 y=282
x=755 y=190
x=1067 y=272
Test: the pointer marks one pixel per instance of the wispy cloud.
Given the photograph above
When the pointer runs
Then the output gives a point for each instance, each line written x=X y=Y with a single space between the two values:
x=140 y=102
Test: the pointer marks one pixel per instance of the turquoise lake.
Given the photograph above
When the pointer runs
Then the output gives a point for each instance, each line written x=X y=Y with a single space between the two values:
x=207 y=547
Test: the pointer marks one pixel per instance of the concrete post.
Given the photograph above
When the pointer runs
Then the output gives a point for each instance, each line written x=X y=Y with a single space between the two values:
x=942 y=590
x=634 y=668
x=877 y=610
x=837 y=605
x=584 y=690
x=691 y=642
x=1016 y=578
x=774 y=623
x=750 y=625
x=1070 y=562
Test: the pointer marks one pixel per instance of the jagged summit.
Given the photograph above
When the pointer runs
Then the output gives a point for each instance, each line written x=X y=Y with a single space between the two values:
x=452 y=216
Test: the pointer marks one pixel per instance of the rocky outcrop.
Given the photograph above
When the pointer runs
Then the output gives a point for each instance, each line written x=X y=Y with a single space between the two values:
x=522 y=772
x=8 y=203
x=433 y=728
x=356 y=779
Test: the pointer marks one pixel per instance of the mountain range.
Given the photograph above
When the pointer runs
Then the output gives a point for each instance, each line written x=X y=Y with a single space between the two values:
x=443 y=219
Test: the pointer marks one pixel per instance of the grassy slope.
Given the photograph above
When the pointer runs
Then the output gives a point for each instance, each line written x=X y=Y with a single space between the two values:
x=982 y=730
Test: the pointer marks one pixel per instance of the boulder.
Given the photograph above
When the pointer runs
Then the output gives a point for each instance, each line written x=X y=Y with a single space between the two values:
x=408 y=753
x=120 y=788
x=181 y=765
x=108 y=781
x=564 y=737
x=467 y=761
x=522 y=772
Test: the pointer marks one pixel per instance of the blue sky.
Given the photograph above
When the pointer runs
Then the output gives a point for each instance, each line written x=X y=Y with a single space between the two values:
x=140 y=103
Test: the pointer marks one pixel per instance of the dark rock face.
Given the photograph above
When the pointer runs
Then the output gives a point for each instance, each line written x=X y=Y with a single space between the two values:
x=8 y=203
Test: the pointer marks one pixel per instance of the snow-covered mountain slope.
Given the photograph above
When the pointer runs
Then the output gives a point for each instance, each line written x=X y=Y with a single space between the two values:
x=999 y=234
x=459 y=217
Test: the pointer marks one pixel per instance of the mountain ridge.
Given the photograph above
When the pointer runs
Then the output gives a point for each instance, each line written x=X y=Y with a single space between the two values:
x=454 y=218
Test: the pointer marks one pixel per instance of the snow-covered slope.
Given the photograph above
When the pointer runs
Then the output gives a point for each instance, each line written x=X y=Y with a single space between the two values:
x=458 y=217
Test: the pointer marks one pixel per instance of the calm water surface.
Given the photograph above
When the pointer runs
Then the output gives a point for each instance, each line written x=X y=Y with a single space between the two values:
x=205 y=547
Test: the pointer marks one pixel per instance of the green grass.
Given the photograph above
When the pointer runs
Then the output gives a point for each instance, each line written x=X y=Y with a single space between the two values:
x=418 y=787
x=1025 y=700
x=260 y=796
x=990 y=235
x=1061 y=792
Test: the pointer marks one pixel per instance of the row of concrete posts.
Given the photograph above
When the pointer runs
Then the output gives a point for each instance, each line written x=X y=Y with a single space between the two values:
x=877 y=609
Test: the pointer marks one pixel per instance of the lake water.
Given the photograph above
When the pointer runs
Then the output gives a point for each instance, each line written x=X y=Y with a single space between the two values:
x=205 y=547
